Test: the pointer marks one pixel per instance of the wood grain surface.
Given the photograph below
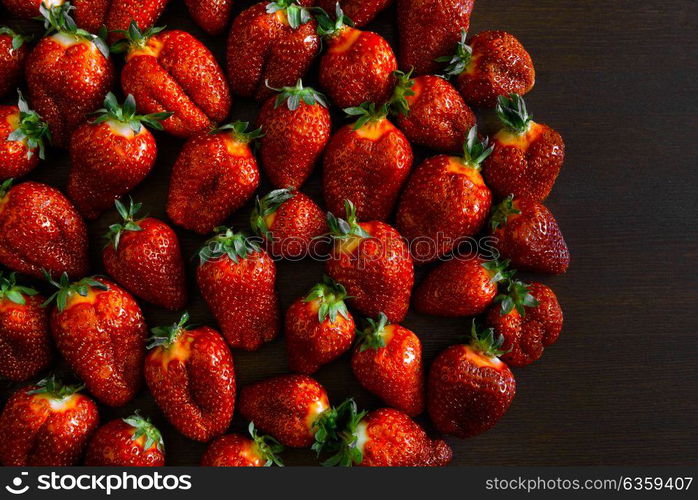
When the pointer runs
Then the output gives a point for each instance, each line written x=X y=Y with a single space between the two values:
x=619 y=81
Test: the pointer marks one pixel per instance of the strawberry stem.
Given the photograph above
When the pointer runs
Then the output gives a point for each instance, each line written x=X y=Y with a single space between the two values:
x=331 y=296
x=502 y=211
x=517 y=296
x=403 y=89
x=296 y=15
x=343 y=229
x=143 y=427
x=31 y=129
x=372 y=336
x=268 y=447
x=266 y=206
x=126 y=114
x=484 y=341
x=293 y=96
x=458 y=62
x=239 y=131
x=134 y=38
x=329 y=28
x=165 y=336
x=66 y=289
x=55 y=388
x=228 y=243
x=513 y=114
x=17 y=39
x=474 y=150
x=367 y=112
x=336 y=434
x=57 y=19
x=129 y=222
x=10 y=290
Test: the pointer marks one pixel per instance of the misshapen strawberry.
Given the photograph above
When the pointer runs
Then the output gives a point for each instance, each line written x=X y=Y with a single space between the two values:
x=117 y=14
x=143 y=255
x=191 y=375
x=361 y=12
x=100 y=331
x=214 y=175
x=211 y=15
x=126 y=442
x=13 y=52
x=46 y=424
x=236 y=450
x=237 y=279
x=41 y=231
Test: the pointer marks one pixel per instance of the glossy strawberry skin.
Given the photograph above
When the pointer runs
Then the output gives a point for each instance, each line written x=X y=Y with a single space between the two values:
x=211 y=15
x=367 y=166
x=102 y=337
x=285 y=407
x=11 y=65
x=233 y=450
x=242 y=298
x=467 y=392
x=293 y=228
x=394 y=373
x=117 y=14
x=357 y=68
x=438 y=117
x=113 y=446
x=430 y=29
x=361 y=12
x=36 y=434
x=193 y=383
x=176 y=73
x=149 y=264
x=42 y=230
x=377 y=272
x=213 y=176
x=525 y=337
x=263 y=47
x=293 y=141
x=66 y=83
x=25 y=9
x=16 y=158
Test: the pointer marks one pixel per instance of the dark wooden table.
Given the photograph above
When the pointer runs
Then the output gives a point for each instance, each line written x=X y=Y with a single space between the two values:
x=619 y=81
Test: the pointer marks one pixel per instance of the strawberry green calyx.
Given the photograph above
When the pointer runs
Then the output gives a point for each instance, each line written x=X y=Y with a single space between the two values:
x=517 y=296
x=239 y=131
x=57 y=19
x=326 y=27
x=66 y=289
x=458 y=62
x=56 y=389
x=513 y=114
x=134 y=38
x=143 y=427
x=5 y=187
x=228 y=243
x=267 y=447
x=484 y=341
x=367 y=112
x=293 y=96
x=129 y=222
x=403 y=89
x=498 y=271
x=126 y=114
x=17 y=39
x=501 y=212
x=343 y=229
x=10 y=290
x=474 y=150
x=165 y=336
x=372 y=336
x=266 y=206
x=297 y=15
x=331 y=296
x=336 y=435
x=32 y=129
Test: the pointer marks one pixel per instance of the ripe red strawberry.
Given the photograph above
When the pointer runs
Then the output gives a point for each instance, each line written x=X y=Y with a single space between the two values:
x=237 y=280
x=191 y=375
x=445 y=201
x=469 y=388
x=236 y=450
x=291 y=224
x=463 y=286
x=111 y=155
x=214 y=175
x=357 y=66
x=296 y=126
x=23 y=135
x=13 y=52
x=68 y=74
x=143 y=256
x=431 y=112
x=493 y=64
x=527 y=234
x=367 y=163
x=387 y=361
x=211 y=15
x=381 y=438
x=529 y=318
x=173 y=71
x=116 y=15
x=286 y=407
x=319 y=328
x=430 y=29
x=46 y=424
x=25 y=343
x=271 y=44
x=41 y=230
x=27 y=9
x=373 y=263
x=527 y=156
x=100 y=331
x=126 y=442
x=361 y=12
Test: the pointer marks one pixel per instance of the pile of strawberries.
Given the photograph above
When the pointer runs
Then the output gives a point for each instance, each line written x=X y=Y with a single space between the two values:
x=473 y=212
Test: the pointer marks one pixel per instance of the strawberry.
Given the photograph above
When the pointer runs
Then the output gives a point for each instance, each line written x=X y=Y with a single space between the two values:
x=27 y=9
x=236 y=450
x=126 y=442
x=367 y=163
x=25 y=343
x=387 y=361
x=527 y=156
x=211 y=15
x=100 y=331
x=319 y=328
x=431 y=112
x=271 y=44
x=24 y=135
x=373 y=262
x=214 y=175
x=68 y=74
x=296 y=126
x=174 y=72
x=290 y=222
x=462 y=286
x=46 y=424
x=116 y=15
x=285 y=407
x=494 y=64
x=429 y=29
x=527 y=233
x=357 y=66
x=237 y=280
x=143 y=256
x=381 y=438
x=445 y=200
x=361 y=12
x=41 y=230
x=13 y=52
x=191 y=375
x=529 y=318
x=111 y=155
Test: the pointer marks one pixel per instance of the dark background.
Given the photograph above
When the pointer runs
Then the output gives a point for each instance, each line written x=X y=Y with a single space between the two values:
x=618 y=80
